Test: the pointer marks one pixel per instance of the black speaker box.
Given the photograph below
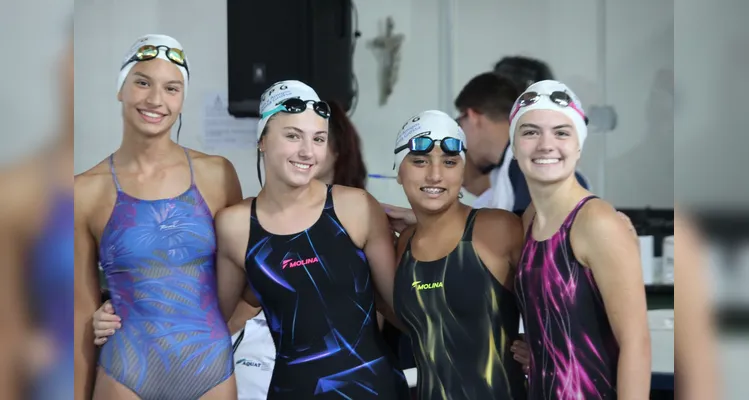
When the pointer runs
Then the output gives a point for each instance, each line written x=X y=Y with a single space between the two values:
x=306 y=40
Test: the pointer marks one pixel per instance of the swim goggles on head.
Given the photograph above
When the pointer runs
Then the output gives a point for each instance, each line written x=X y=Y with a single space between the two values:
x=149 y=52
x=559 y=98
x=296 y=106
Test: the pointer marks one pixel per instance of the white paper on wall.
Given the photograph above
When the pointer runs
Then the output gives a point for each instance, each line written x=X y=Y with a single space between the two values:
x=221 y=130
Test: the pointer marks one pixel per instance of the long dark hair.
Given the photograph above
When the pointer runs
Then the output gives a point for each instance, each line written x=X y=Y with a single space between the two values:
x=349 y=168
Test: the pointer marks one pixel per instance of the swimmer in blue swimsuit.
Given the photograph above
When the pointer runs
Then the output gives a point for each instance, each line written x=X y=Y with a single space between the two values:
x=313 y=256
x=36 y=252
x=145 y=214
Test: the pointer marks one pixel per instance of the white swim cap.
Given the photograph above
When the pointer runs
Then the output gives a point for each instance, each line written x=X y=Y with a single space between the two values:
x=153 y=40
x=550 y=95
x=435 y=124
x=277 y=94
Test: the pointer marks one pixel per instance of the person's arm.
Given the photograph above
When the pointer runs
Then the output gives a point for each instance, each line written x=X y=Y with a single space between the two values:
x=380 y=320
x=695 y=346
x=603 y=242
x=87 y=298
x=386 y=312
x=232 y=235
x=399 y=218
x=13 y=312
x=520 y=349
x=243 y=313
x=365 y=221
x=498 y=240
x=379 y=250
x=15 y=329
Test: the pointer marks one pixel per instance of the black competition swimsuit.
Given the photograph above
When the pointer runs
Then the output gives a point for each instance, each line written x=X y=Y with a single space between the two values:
x=462 y=323
x=316 y=290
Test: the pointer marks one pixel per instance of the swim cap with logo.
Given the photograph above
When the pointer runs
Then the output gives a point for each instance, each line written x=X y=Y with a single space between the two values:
x=433 y=123
x=154 y=40
x=278 y=93
x=573 y=111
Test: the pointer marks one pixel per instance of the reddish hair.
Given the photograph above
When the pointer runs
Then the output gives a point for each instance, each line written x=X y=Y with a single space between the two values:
x=349 y=169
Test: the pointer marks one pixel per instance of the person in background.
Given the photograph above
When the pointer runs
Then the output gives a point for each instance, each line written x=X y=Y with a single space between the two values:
x=579 y=282
x=484 y=104
x=523 y=71
x=696 y=352
x=475 y=181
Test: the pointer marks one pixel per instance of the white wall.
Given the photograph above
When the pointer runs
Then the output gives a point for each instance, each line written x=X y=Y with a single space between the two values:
x=31 y=100
x=447 y=43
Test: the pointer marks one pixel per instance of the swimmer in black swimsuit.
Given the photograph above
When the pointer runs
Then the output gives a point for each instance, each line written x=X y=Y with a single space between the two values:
x=453 y=287
x=313 y=255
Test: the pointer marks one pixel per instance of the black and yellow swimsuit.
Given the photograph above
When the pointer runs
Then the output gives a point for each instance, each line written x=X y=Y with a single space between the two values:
x=462 y=322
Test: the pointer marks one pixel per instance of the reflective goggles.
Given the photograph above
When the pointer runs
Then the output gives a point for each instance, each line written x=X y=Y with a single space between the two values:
x=422 y=145
x=149 y=52
x=559 y=98
x=296 y=106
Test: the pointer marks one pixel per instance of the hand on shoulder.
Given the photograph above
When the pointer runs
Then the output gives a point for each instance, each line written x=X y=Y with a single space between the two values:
x=399 y=218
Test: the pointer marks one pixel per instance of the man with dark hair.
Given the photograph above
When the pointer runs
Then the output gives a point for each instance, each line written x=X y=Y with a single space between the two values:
x=523 y=71
x=484 y=105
